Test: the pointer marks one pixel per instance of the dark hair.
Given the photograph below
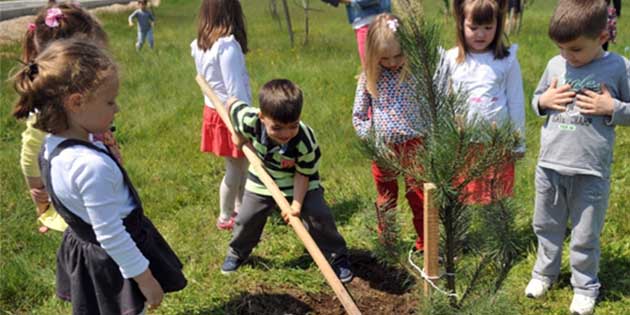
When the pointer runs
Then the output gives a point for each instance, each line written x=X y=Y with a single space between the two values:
x=74 y=21
x=481 y=12
x=574 y=18
x=219 y=18
x=281 y=100
x=65 y=67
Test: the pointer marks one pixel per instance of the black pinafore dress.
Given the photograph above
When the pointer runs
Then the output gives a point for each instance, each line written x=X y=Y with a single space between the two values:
x=87 y=276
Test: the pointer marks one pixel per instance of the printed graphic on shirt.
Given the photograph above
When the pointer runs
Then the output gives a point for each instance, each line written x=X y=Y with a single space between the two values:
x=571 y=118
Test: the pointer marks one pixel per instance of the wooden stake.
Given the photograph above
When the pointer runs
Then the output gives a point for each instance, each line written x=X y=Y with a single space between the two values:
x=283 y=204
x=431 y=236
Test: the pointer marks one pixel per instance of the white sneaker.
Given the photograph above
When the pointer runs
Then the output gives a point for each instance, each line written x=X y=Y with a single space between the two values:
x=582 y=305
x=536 y=288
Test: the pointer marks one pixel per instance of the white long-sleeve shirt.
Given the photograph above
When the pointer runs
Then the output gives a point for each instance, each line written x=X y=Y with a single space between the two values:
x=494 y=86
x=90 y=185
x=223 y=67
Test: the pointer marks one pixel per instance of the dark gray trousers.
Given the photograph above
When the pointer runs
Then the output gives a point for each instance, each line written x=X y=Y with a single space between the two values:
x=315 y=215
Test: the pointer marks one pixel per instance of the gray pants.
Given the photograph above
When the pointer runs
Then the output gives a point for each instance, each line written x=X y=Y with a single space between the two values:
x=583 y=199
x=315 y=214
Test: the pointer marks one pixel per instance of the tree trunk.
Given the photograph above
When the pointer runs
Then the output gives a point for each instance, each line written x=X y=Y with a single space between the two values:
x=305 y=4
x=288 y=17
x=273 y=10
x=450 y=253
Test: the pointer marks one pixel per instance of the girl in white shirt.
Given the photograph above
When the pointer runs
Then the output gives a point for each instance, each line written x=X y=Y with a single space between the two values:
x=112 y=260
x=219 y=54
x=483 y=67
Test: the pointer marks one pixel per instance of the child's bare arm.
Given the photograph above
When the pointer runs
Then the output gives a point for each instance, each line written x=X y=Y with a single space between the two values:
x=300 y=186
x=556 y=98
x=38 y=193
x=592 y=103
x=150 y=288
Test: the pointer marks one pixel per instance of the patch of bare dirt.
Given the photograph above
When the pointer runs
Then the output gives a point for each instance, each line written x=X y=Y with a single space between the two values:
x=376 y=289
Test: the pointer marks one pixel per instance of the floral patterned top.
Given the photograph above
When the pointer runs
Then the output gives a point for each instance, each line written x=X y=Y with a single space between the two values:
x=394 y=114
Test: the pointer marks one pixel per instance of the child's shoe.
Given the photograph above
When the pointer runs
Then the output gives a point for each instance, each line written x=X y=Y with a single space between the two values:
x=231 y=264
x=536 y=288
x=343 y=271
x=225 y=224
x=582 y=304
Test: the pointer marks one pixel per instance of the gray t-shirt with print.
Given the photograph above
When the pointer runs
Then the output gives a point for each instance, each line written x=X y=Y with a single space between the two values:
x=572 y=143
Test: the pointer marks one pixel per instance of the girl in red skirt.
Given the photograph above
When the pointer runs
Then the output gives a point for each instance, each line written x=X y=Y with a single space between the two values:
x=487 y=69
x=219 y=54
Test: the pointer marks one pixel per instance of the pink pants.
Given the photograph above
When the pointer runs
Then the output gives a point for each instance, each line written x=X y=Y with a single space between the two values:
x=361 y=35
x=387 y=191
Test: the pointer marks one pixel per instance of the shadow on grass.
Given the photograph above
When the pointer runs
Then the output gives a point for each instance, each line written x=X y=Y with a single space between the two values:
x=344 y=210
x=614 y=271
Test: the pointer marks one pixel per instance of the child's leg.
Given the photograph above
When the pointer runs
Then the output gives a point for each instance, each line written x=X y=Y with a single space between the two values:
x=249 y=224
x=318 y=220
x=231 y=190
x=139 y=40
x=387 y=193
x=550 y=222
x=150 y=38
x=361 y=35
x=588 y=201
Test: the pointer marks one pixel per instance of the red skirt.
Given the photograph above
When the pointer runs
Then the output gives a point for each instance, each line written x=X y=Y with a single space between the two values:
x=215 y=136
x=495 y=183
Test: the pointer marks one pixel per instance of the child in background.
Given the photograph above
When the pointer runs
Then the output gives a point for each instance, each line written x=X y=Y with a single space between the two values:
x=146 y=21
x=515 y=11
x=290 y=155
x=576 y=150
x=52 y=23
x=72 y=87
x=611 y=23
x=384 y=103
x=360 y=14
x=482 y=66
x=219 y=57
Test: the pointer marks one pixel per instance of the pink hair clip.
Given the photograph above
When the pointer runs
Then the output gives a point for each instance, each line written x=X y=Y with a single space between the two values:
x=31 y=27
x=393 y=25
x=53 y=16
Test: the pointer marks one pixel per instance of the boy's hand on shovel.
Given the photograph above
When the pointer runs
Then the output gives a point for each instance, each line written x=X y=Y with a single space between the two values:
x=295 y=211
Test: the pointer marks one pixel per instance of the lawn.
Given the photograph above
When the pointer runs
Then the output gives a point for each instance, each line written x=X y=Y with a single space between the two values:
x=158 y=129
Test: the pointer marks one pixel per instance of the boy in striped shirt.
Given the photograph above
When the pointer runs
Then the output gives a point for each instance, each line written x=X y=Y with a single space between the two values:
x=290 y=155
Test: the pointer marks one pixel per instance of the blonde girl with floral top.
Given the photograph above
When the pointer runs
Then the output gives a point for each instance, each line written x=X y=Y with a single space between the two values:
x=384 y=106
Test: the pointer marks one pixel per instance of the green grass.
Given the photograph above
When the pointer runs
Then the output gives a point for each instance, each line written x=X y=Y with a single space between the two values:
x=158 y=128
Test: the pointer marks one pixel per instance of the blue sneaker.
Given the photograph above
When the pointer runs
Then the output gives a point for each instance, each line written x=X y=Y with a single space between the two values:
x=343 y=271
x=230 y=264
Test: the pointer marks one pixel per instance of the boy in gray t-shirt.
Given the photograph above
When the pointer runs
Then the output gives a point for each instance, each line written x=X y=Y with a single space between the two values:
x=146 y=21
x=584 y=93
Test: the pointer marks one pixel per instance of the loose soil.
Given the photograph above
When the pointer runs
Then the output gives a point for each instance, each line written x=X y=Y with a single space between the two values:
x=376 y=289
